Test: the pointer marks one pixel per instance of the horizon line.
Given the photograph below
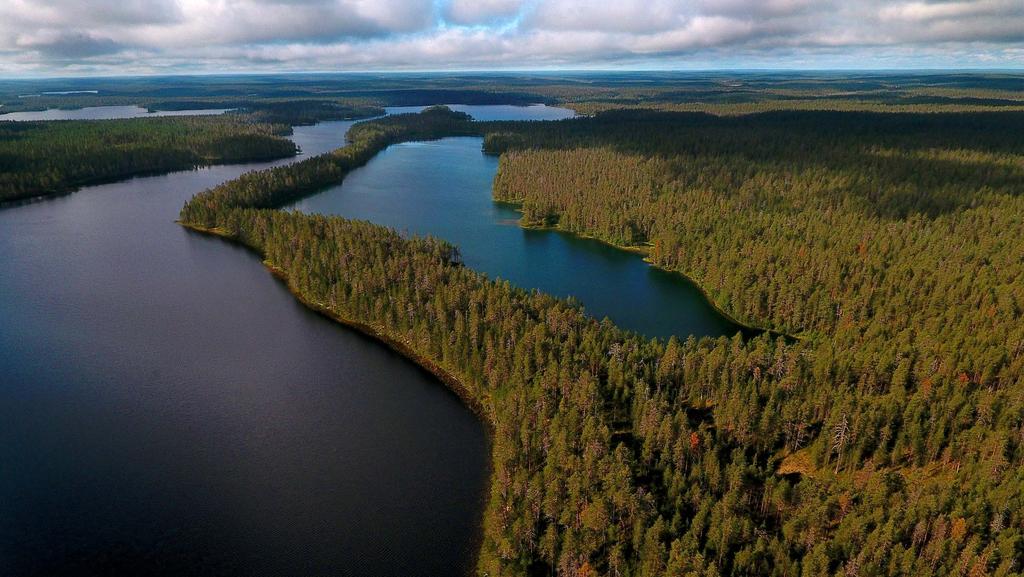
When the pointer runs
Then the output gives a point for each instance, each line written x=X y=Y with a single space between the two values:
x=539 y=71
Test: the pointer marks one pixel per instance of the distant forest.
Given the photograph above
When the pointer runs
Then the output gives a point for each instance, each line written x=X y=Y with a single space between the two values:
x=44 y=158
x=885 y=435
x=333 y=96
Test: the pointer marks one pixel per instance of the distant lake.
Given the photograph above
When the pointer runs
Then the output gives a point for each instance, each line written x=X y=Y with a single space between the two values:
x=104 y=113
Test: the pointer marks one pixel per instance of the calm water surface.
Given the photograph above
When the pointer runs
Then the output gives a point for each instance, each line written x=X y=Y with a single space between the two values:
x=104 y=113
x=443 y=188
x=167 y=408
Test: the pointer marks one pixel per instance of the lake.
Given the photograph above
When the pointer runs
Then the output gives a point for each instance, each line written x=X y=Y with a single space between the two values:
x=443 y=188
x=104 y=113
x=168 y=408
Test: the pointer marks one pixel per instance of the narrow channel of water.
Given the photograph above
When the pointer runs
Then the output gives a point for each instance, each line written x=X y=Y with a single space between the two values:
x=443 y=188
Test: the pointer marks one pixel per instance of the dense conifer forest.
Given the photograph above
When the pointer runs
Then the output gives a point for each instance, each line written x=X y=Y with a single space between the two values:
x=43 y=158
x=887 y=439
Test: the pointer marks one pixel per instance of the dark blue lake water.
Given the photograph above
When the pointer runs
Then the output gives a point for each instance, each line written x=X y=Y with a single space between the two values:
x=443 y=188
x=168 y=408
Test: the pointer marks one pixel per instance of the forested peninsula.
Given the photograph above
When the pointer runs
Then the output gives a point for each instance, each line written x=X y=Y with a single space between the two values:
x=55 y=157
x=887 y=441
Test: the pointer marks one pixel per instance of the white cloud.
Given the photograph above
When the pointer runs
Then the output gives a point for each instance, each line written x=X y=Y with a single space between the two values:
x=926 y=11
x=621 y=16
x=759 y=9
x=473 y=12
x=139 y=35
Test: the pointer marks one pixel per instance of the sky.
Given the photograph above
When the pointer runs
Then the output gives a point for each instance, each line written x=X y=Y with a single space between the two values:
x=79 y=37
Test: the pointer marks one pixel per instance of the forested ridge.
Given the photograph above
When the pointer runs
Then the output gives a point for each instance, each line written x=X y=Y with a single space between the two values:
x=42 y=158
x=887 y=441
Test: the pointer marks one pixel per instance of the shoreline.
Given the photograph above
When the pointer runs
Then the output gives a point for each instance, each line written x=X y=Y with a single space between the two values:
x=397 y=344
x=449 y=379
x=99 y=181
x=644 y=252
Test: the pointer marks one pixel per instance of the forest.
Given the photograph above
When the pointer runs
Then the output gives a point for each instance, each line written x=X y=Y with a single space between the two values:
x=329 y=96
x=886 y=438
x=46 y=158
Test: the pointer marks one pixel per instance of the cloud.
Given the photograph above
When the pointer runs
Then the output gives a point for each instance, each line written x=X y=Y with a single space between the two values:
x=475 y=12
x=48 y=36
x=222 y=22
x=764 y=9
x=622 y=16
x=977 y=21
x=928 y=11
x=68 y=45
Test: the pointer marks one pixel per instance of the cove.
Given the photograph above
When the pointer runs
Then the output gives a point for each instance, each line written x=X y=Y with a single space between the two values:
x=168 y=408
x=443 y=188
